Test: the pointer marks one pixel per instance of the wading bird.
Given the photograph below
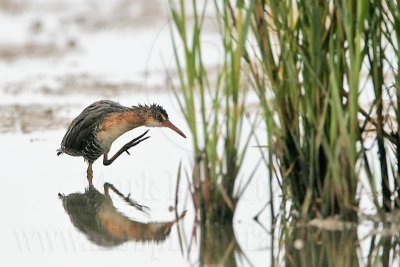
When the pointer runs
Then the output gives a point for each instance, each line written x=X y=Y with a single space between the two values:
x=92 y=133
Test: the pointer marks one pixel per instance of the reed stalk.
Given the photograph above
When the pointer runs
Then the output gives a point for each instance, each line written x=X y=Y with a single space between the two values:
x=311 y=64
x=305 y=73
x=213 y=106
x=309 y=76
x=390 y=11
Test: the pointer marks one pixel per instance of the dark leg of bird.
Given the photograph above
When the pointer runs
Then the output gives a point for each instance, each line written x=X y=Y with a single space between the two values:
x=90 y=173
x=125 y=148
x=127 y=198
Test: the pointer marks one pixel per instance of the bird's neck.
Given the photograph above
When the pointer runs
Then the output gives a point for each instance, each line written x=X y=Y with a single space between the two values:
x=117 y=124
x=125 y=121
x=134 y=118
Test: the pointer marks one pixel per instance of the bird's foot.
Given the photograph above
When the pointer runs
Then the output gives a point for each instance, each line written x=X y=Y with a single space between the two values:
x=135 y=141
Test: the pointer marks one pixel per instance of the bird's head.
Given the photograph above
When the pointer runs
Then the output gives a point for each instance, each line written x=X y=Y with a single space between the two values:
x=158 y=117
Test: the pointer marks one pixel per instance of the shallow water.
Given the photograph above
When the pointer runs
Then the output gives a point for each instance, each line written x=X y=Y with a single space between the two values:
x=37 y=224
x=38 y=230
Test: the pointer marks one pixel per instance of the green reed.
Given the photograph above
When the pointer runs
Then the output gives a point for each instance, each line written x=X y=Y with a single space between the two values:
x=309 y=78
x=390 y=18
x=314 y=82
x=310 y=63
x=213 y=106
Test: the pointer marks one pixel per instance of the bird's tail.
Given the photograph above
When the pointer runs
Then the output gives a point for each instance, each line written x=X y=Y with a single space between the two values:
x=59 y=151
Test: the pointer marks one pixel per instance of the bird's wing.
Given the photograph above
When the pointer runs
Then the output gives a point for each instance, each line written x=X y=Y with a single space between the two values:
x=80 y=133
x=82 y=130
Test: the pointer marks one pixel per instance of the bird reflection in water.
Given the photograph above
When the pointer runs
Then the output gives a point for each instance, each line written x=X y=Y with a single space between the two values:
x=94 y=214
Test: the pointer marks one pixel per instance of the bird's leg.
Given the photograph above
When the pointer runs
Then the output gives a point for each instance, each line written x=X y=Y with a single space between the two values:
x=127 y=198
x=90 y=173
x=125 y=148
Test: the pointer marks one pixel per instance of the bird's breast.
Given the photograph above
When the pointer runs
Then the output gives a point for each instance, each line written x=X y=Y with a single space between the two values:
x=112 y=127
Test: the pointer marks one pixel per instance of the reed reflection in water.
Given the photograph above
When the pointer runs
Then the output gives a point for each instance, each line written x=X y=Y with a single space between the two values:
x=313 y=246
x=94 y=214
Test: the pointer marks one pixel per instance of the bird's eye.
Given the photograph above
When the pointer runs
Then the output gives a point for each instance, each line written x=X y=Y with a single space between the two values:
x=159 y=117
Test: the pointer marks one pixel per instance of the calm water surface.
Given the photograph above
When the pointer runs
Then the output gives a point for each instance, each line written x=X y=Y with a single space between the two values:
x=87 y=226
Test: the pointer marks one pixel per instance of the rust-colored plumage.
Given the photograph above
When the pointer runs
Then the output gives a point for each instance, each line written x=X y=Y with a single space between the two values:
x=92 y=133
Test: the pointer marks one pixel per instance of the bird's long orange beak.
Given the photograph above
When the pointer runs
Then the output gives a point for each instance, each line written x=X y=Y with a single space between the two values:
x=173 y=127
